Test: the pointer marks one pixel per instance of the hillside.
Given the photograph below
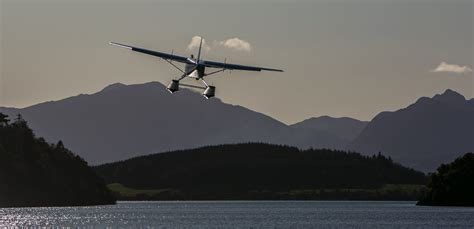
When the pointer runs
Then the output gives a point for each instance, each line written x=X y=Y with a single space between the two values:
x=331 y=133
x=452 y=184
x=346 y=128
x=244 y=171
x=35 y=173
x=124 y=121
x=424 y=135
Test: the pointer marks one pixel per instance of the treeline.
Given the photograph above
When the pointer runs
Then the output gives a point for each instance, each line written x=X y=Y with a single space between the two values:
x=452 y=184
x=36 y=173
x=248 y=170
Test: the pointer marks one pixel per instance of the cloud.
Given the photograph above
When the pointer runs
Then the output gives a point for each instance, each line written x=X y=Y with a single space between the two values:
x=194 y=44
x=232 y=43
x=445 y=67
x=236 y=44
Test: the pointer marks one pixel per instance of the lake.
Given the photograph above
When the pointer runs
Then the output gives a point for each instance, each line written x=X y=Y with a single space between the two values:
x=245 y=214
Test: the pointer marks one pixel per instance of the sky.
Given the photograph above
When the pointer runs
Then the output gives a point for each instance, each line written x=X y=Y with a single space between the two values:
x=352 y=58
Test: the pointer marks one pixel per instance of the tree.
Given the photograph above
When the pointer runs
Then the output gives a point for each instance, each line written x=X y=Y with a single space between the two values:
x=60 y=145
x=3 y=119
x=36 y=173
x=452 y=184
x=20 y=121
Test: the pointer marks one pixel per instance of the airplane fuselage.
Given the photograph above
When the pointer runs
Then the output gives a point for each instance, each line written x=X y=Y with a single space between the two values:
x=195 y=71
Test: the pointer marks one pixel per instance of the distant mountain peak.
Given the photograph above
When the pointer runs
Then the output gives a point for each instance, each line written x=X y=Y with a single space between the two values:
x=328 y=118
x=450 y=91
x=113 y=87
x=421 y=100
x=450 y=96
x=424 y=134
x=155 y=86
x=447 y=97
x=343 y=127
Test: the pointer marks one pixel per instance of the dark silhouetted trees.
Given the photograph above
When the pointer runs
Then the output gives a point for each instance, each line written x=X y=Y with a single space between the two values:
x=3 y=120
x=36 y=173
x=211 y=172
x=452 y=184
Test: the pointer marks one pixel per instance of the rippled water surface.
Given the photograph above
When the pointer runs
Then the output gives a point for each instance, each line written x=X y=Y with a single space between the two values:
x=244 y=214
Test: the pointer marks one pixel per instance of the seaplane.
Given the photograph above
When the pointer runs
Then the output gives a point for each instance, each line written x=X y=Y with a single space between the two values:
x=194 y=68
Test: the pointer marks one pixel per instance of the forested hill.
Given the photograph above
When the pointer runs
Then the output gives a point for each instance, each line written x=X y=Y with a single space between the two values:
x=35 y=173
x=452 y=184
x=211 y=172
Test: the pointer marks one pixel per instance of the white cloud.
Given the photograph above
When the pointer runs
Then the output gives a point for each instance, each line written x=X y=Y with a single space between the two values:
x=237 y=44
x=232 y=43
x=445 y=67
x=194 y=44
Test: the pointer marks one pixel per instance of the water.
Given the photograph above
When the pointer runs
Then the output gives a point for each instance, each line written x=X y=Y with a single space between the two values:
x=244 y=214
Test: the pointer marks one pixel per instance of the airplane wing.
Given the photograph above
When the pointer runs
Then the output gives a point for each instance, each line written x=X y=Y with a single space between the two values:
x=162 y=55
x=213 y=64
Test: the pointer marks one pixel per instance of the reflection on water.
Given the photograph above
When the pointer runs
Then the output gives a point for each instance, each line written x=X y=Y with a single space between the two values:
x=257 y=214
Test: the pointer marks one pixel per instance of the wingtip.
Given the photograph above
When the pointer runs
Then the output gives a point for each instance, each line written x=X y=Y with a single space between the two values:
x=119 y=45
x=277 y=70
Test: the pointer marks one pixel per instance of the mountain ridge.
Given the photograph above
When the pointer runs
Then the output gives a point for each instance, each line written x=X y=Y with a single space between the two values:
x=122 y=121
x=424 y=134
x=345 y=127
x=146 y=114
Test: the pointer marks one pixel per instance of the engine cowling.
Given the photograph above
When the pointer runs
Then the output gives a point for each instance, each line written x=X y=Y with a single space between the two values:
x=173 y=86
x=209 y=92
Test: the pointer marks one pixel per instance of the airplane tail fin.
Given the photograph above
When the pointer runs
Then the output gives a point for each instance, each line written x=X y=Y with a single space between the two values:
x=199 y=52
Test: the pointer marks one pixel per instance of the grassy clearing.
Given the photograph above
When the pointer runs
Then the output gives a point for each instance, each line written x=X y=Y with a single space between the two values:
x=387 y=192
x=123 y=191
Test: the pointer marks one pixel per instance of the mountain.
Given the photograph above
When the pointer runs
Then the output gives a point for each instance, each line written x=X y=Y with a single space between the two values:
x=323 y=132
x=255 y=171
x=344 y=128
x=123 y=121
x=423 y=135
x=452 y=184
x=35 y=173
